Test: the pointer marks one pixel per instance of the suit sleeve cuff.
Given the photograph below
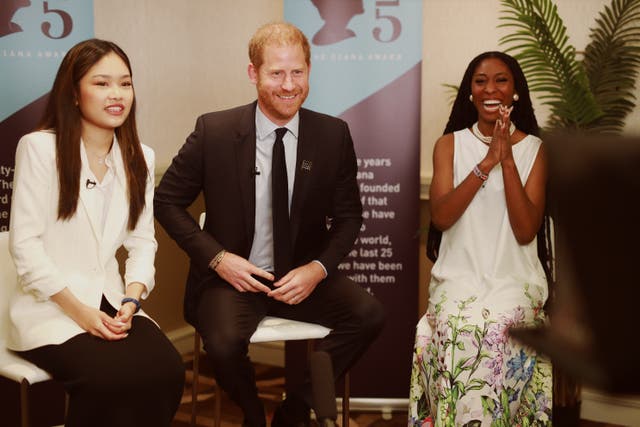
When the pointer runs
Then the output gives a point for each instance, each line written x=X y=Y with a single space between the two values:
x=323 y=267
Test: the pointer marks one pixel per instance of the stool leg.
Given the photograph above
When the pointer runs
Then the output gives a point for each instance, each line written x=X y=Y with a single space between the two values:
x=218 y=408
x=345 y=401
x=24 y=403
x=196 y=374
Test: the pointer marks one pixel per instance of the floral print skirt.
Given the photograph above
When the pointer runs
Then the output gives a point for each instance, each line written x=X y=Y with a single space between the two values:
x=467 y=371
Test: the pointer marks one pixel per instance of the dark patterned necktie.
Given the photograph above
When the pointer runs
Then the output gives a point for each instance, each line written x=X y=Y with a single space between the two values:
x=280 y=208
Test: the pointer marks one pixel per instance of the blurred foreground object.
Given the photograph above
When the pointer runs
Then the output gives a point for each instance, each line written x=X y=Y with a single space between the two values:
x=594 y=189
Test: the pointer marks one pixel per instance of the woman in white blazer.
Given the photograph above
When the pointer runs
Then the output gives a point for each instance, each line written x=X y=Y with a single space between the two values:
x=83 y=187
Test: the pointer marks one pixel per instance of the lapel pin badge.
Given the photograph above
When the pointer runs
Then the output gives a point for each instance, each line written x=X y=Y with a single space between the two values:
x=306 y=165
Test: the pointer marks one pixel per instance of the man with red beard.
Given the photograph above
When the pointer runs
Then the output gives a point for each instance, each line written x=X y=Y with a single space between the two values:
x=282 y=211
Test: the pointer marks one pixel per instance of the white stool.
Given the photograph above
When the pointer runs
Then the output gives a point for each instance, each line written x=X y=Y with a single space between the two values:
x=269 y=329
x=11 y=366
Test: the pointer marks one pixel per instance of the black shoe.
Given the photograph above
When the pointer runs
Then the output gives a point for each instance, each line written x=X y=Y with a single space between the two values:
x=293 y=412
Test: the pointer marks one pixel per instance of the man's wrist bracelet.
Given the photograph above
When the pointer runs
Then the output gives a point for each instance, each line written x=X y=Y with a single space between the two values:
x=133 y=300
x=217 y=259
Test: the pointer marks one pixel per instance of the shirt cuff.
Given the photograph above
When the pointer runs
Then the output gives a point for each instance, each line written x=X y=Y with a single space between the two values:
x=323 y=268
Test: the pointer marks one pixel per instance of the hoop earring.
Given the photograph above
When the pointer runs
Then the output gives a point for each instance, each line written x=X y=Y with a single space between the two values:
x=516 y=97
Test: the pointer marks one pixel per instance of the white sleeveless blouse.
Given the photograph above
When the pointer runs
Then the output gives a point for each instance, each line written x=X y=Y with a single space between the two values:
x=479 y=254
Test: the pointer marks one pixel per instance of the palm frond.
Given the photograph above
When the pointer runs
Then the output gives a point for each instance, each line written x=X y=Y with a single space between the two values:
x=612 y=63
x=453 y=91
x=541 y=45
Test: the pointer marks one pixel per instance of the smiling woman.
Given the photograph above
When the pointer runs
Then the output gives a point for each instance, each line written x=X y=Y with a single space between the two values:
x=105 y=97
x=82 y=190
x=487 y=200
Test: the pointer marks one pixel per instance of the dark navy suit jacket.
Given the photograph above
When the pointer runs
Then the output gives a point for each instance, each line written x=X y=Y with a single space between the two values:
x=218 y=159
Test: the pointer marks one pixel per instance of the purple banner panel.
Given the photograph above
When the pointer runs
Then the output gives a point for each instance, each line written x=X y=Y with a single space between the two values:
x=386 y=130
x=366 y=61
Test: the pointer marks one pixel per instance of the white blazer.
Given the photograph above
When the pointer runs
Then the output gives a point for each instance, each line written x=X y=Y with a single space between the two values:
x=51 y=254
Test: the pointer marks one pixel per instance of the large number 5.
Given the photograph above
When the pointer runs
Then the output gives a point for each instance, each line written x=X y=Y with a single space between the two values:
x=67 y=22
x=395 y=22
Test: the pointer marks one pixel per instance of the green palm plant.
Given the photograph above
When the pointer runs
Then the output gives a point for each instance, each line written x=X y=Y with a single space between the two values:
x=593 y=90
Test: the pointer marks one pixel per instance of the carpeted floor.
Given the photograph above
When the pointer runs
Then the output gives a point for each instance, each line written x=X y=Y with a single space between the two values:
x=270 y=381
x=47 y=403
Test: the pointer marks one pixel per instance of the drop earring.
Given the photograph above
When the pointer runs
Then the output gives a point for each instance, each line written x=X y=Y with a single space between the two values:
x=516 y=97
x=471 y=97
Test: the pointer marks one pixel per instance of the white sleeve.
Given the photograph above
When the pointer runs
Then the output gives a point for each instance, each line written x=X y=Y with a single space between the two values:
x=140 y=242
x=35 y=166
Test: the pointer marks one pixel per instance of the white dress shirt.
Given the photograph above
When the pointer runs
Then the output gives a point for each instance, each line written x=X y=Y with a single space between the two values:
x=99 y=199
x=262 y=249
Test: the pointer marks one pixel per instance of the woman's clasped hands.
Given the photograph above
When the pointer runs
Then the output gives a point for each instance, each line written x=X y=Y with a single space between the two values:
x=101 y=325
x=500 y=146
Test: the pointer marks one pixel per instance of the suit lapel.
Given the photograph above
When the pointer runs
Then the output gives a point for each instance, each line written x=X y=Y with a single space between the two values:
x=85 y=196
x=118 y=211
x=245 y=148
x=86 y=205
x=306 y=153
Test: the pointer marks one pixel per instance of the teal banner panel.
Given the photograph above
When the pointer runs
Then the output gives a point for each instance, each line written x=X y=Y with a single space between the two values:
x=34 y=37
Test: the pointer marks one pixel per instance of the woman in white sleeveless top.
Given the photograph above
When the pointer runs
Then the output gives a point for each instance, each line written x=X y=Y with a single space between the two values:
x=488 y=199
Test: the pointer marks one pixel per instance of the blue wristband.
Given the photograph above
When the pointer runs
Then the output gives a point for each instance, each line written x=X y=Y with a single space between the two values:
x=133 y=300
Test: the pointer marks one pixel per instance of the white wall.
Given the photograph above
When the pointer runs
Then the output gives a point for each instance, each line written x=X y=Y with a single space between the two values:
x=190 y=57
x=457 y=30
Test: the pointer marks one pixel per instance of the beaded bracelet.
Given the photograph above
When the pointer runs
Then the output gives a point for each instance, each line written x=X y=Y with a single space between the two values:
x=216 y=260
x=477 y=172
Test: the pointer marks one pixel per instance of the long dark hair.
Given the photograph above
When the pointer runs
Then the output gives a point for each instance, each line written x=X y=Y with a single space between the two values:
x=63 y=116
x=464 y=114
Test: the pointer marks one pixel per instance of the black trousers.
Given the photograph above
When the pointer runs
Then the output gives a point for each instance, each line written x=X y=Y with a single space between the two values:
x=134 y=382
x=226 y=319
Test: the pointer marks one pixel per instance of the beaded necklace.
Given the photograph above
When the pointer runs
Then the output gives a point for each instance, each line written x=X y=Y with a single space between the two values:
x=487 y=139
